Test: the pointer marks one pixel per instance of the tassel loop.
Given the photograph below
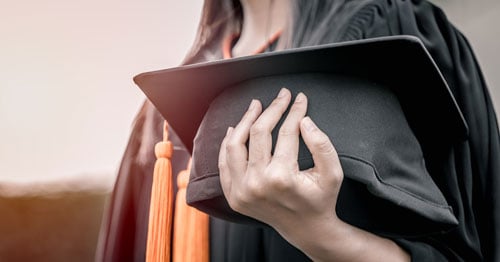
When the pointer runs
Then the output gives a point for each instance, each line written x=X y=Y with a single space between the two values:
x=189 y=228
x=164 y=150
x=161 y=206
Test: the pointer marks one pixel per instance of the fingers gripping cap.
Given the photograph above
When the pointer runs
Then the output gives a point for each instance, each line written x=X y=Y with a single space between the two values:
x=380 y=115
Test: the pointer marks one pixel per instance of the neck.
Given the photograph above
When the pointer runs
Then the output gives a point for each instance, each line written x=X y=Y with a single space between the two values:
x=261 y=19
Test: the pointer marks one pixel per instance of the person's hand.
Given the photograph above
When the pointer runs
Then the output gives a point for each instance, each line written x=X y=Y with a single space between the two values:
x=299 y=204
x=270 y=187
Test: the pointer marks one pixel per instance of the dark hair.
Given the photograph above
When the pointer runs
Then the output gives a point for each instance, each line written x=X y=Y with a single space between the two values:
x=313 y=22
x=218 y=19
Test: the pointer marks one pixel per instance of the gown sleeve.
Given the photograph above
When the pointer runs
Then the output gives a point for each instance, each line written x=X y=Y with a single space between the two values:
x=124 y=227
x=468 y=174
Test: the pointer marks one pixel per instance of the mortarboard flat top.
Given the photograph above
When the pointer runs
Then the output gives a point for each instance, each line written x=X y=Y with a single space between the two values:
x=419 y=106
x=183 y=94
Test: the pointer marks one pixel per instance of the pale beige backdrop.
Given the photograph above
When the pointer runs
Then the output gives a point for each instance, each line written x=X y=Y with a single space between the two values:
x=67 y=102
x=66 y=94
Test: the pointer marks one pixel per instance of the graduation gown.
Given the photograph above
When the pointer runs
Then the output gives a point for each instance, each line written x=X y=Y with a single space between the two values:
x=468 y=173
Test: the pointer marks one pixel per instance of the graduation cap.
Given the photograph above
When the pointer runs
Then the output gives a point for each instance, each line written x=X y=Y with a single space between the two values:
x=382 y=101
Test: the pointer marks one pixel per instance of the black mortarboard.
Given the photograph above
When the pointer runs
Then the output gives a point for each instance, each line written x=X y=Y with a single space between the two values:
x=381 y=101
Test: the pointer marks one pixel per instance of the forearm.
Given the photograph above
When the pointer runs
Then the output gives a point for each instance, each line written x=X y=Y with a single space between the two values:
x=299 y=204
x=335 y=240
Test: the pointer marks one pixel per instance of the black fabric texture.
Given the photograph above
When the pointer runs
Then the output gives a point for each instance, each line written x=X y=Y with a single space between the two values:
x=467 y=173
x=381 y=158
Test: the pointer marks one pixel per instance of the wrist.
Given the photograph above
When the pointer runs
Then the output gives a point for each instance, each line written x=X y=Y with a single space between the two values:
x=317 y=237
x=331 y=239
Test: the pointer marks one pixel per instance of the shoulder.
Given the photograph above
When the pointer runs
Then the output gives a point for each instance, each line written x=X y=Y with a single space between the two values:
x=419 y=18
x=376 y=18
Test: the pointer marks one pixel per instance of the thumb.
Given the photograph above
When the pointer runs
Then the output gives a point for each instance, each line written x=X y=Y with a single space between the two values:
x=326 y=160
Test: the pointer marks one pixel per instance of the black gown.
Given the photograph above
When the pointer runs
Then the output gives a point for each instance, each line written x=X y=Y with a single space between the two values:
x=469 y=173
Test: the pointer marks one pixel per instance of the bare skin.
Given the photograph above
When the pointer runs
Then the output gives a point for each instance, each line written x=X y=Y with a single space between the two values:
x=262 y=18
x=299 y=204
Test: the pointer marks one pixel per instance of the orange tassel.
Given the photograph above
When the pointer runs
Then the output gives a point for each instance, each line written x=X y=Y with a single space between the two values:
x=161 y=206
x=191 y=227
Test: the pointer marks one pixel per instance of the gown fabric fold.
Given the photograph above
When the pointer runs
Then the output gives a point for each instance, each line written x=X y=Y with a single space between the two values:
x=467 y=172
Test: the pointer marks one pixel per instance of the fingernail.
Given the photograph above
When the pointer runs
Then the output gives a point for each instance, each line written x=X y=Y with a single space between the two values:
x=253 y=104
x=282 y=93
x=308 y=124
x=300 y=98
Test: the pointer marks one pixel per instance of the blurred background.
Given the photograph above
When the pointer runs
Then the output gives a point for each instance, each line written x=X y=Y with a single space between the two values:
x=67 y=102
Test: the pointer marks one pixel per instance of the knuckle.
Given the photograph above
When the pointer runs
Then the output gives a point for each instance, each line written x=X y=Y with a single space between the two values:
x=284 y=158
x=323 y=145
x=232 y=146
x=234 y=203
x=254 y=191
x=256 y=161
x=243 y=198
x=235 y=200
x=337 y=176
x=288 y=131
x=257 y=129
x=276 y=102
x=298 y=107
x=278 y=180
x=240 y=201
x=340 y=177
x=221 y=165
x=280 y=183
